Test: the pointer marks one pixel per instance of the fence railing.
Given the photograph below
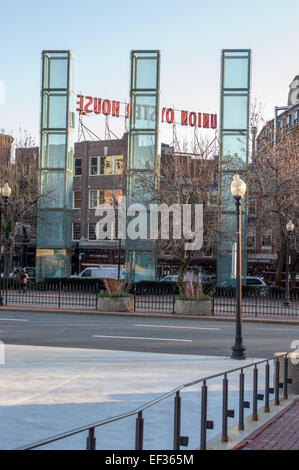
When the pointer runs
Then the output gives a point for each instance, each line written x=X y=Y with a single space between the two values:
x=75 y=294
x=205 y=422
x=256 y=303
x=57 y=294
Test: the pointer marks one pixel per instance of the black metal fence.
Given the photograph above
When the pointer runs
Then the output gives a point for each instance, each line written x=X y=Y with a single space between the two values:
x=148 y=297
x=154 y=298
x=200 y=408
x=58 y=294
x=256 y=302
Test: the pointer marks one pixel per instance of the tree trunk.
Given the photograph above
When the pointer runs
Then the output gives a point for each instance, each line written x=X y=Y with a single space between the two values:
x=281 y=261
x=188 y=255
x=293 y=268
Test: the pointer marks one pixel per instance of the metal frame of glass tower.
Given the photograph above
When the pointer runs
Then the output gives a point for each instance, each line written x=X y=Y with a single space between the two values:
x=55 y=165
x=142 y=149
x=233 y=155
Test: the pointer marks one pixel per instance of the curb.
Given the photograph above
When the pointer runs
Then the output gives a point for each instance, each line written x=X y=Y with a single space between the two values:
x=150 y=314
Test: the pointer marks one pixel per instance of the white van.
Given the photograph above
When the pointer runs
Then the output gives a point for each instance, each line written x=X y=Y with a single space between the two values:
x=102 y=272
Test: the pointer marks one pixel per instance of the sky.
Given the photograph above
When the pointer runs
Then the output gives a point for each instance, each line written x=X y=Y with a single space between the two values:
x=101 y=35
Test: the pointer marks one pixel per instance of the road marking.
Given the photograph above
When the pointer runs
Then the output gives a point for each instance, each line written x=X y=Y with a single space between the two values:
x=140 y=337
x=182 y=327
x=12 y=319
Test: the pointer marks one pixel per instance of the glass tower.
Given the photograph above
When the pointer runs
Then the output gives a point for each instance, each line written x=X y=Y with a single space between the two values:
x=142 y=151
x=233 y=158
x=55 y=166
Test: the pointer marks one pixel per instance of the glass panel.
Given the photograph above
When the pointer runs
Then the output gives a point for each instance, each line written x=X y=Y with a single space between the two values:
x=107 y=165
x=93 y=166
x=59 y=73
x=235 y=112
x=54 y=146
x=146 y=73
x=107 y=197
x=143 y=264
x=93 y=199
x=69 y=189
x=234 y=151
x=119 y=164
x=76 y=231
x=77 y=199
x=70 y=158
x=144 y=111
x=143 y=150
x=117 y=197
x=92 y=231
x=78 y=166
x=235 y=73
x=52 y=189
x=57 y=111
x=51 y=228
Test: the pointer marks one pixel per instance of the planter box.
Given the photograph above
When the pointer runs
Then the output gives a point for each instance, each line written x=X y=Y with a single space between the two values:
x=115 y=304
x=193 y=307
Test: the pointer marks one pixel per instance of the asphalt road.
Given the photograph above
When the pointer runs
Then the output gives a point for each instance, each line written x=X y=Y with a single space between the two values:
x=213 y=338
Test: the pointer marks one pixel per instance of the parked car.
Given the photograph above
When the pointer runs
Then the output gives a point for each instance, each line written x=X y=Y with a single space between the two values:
x=30 y=271
x=269 y=278
x=101 y=272
x=187 y=276
x=251 y=281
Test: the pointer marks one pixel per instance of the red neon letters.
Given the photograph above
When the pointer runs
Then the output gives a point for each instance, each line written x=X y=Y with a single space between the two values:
x=88 y=104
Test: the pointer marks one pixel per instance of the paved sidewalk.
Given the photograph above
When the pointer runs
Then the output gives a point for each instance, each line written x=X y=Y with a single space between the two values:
x=279 y=433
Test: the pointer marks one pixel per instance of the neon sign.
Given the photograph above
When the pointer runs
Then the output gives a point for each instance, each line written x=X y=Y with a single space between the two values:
x=89 y=105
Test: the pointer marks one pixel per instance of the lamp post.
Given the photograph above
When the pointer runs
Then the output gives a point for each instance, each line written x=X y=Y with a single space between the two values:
x=289 y=228
x=5 y=192
x=238 y=189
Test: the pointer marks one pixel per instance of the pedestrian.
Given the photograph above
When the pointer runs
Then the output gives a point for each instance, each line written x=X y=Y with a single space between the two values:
x=24 y=278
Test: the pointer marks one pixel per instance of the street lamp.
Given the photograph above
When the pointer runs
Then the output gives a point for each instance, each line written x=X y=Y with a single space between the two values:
x=5 y=192
x=238 y=189
x=290 y=227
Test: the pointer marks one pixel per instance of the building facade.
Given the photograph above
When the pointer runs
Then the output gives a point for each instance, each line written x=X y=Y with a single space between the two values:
x=99 y=178
x=6 y=142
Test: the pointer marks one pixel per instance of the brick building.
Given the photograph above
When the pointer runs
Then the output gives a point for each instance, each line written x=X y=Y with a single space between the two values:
x=263 y=239
x=99 y=177
x=6 y=142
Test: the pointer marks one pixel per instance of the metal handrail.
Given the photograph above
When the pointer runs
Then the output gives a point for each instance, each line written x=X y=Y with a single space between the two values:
x=175 y=391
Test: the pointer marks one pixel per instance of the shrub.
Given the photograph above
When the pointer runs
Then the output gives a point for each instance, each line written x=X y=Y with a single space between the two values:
x=104 y=293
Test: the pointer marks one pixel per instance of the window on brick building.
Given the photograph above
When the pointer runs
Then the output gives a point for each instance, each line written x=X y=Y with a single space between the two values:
x=252 y=207
x=76 y=231
x=78 y=166
x=77 y=199
x=92 y=231
x=109 y=165
x=107 y=197
x=266 y=239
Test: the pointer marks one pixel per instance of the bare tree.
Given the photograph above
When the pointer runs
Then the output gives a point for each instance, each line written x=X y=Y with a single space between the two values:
x=273 y=181
x=20 y=209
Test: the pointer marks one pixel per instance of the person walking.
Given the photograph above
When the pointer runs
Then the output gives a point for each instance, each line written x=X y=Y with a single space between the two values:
x=24 y=278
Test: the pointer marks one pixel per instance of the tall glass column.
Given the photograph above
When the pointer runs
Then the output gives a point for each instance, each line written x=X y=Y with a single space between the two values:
x=233 y=158
x=142 y=149
x=54 y=243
